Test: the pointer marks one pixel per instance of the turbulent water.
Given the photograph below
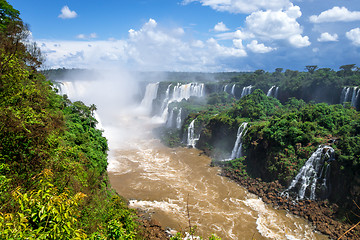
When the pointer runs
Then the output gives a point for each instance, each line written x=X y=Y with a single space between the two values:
x=164 y=181
x=169 y=183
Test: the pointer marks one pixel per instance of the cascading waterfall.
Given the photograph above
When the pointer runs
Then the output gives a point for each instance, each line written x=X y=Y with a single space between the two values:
x=185 y=91
x=179 y=119
x=353 y=96
x=306 y=183
x=350 y=96
x=180 y=92
x=237 y=150
x=273 y=92
x=270 y=91
x=150 y=96
x=191 y=138
x=344 y=95
x=170 y=119
x=166 y=99
x=246 y=91
x=225 y=88
x=233 y=90
x=276 y=92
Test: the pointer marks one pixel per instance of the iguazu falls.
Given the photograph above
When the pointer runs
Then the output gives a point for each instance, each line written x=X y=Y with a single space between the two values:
x=218 y=120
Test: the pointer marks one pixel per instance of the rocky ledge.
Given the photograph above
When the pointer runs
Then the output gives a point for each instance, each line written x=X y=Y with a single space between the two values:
x=321 y=214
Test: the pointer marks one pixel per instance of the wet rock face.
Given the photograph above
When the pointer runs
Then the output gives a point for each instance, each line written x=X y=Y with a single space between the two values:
x=321 y=214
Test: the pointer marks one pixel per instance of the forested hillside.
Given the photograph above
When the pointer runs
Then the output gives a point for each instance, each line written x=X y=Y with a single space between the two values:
x=53 y=180
x=258 y=137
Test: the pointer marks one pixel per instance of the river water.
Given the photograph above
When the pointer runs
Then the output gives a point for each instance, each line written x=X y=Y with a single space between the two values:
x=174 y=183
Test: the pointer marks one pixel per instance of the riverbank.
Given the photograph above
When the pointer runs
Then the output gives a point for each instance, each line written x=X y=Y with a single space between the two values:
x=150 y=228
x=321 y=214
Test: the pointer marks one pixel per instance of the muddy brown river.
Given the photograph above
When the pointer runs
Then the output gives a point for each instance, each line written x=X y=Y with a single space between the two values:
x=169 y=183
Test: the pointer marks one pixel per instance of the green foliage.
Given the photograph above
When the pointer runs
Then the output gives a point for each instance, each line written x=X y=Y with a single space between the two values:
x=43 y=213
x=255 y=106
x=237 y=167
x=7 y=14
x=53 y=181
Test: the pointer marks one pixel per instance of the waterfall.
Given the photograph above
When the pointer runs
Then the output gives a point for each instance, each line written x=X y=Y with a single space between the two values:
x=180 y=92
x=166 y=99
x=233 y=90
x=150 y=96
x=350 y=96
x=76 y=91
x=170 y=120
x=237 y=150
x=276 y=92
x=191 y=138
x=355 y=96
x=306 y=181
x=273 y=92
x=179 y=119
x=225 y=88
x=344 y=95
x=270 y=91
x=246 y=91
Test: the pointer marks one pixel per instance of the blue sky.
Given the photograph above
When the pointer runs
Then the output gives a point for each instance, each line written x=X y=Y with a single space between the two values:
x=195 y=35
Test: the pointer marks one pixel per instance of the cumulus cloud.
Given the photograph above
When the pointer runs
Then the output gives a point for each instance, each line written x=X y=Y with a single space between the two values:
x=274 y=24
x=256 y=47
x=327 y=37
x=354 y=36
x=220 y=27
x=238 y=43
x=278 y=25
x=226 y=51
x=299 y=41
x=67 y=13
x=336 y=14
x=242 y=6
x=147 y=48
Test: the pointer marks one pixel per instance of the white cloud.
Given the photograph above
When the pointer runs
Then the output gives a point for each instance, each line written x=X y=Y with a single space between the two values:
x=179 y=31
x=67 y=13
x=354 y=36
x=336 y=14
x=256 y=47
x=299 y=41
x=327 y=37
x=242 y=6
x=238 y=43
x=148 y=48
x=220 y=27
x=226 y=51
x=198 y=44
x=238 y=34
x=83 y=36
x=278 y=25
x=274 y=24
